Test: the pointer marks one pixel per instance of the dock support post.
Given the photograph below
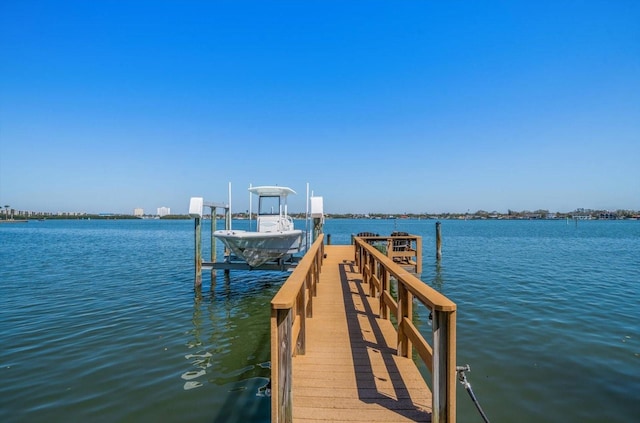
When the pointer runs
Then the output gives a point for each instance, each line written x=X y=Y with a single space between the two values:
x=213 y=240
x=438 y=242
x=198 y=253
x=317 y=228
x=419 y=255
x=213 y=244
x=227 y=226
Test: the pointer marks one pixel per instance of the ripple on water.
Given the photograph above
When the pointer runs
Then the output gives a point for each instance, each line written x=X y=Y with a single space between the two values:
x=107 y=326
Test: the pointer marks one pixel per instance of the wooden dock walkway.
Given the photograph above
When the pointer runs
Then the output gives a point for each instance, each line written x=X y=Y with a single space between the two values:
x=343 y=335
x=350 y=371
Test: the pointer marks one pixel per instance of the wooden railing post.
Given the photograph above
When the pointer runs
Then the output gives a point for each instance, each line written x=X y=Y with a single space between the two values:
x=315 y=274
x=384 y=288
x=309 y=282
x=365 y=267
x=419 y=255
x=301 y=311
x=377 y=289
x=281 y=356
x=373 y=267
x=444 y=367
x=405 y=311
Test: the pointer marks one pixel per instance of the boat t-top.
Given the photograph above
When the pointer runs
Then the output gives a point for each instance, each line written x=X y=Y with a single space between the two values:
x=275 y=236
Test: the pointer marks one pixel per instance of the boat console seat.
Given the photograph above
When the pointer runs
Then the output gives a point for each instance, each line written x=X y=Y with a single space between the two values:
x=274 y=224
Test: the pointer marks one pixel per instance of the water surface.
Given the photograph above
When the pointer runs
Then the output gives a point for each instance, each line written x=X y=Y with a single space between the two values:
x=99 y=320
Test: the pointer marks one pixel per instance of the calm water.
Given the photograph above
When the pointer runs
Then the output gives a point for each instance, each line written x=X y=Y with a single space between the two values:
x=99 y=321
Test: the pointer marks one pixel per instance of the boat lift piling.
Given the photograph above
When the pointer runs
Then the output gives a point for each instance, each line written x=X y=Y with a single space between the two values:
x=317 y=214
x=196 y=206
x=438 y=242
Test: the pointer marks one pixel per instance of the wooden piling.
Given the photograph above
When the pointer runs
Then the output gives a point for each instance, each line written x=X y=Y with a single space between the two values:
x=317 y=228
x=196 y=210
x=227 y=226
x=198 y=252
x=438 y=241
x=213 y=229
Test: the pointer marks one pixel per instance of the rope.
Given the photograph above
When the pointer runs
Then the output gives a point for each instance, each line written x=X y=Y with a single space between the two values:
x=463 y=380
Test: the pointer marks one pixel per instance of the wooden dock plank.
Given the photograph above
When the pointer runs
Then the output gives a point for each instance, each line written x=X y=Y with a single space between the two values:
x=350 y=371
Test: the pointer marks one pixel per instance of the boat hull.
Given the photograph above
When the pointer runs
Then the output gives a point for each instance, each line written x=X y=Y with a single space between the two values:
x=257 y=248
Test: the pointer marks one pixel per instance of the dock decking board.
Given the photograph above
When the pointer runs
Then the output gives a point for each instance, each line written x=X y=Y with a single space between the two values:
x=350 y=371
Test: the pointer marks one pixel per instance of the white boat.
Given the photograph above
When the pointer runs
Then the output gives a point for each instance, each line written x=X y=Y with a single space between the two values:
x=275 y=237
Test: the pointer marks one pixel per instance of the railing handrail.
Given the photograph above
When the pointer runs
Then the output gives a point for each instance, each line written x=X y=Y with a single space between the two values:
x=291 y=305
x=286 y=296
x=427 y=295
x=376 y=269
x=405 y=248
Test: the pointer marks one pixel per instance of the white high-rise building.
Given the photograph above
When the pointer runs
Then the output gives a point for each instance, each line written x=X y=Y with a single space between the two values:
x=138 y=212
x=163 y=211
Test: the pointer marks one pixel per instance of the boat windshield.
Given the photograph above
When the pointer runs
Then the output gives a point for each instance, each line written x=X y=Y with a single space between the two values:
x=269 y=205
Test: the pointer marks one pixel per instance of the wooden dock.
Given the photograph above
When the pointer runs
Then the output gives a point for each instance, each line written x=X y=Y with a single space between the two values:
x=350 y=371
x=336 y=356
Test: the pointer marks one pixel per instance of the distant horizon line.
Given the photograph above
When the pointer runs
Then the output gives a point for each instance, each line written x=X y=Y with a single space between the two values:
x=4 y=212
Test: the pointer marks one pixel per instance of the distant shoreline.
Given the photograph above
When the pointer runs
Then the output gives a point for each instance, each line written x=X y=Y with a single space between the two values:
x=580 y=214
x=334 y=217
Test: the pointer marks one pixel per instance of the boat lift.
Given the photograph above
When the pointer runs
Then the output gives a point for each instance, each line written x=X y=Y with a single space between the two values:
x=196 y=211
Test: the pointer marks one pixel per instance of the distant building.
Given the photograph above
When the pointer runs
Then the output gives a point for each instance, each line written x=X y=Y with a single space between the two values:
x=138 y=212
x=608 y=215
x=163 y=211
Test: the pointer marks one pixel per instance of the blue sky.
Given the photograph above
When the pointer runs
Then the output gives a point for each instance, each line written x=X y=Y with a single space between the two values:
x=381 y=106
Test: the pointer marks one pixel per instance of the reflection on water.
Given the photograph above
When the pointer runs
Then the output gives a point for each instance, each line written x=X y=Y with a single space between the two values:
x=437 y=282
x=110 y=327
x=228 y=345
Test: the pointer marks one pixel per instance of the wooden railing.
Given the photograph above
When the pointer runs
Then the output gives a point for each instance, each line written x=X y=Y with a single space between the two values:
x=439 y=356
x=289 y=308
x=406 y=250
